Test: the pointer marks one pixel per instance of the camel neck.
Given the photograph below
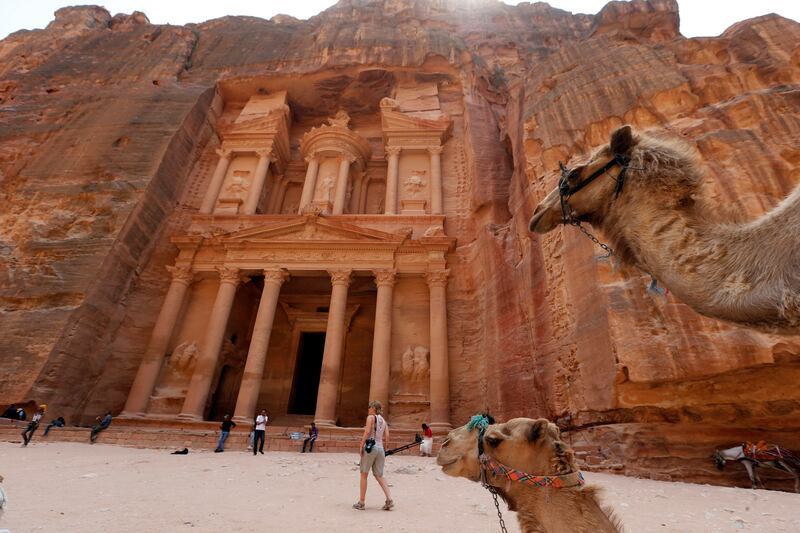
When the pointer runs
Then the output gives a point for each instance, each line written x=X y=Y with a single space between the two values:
x=560 y=510
x=740 y=272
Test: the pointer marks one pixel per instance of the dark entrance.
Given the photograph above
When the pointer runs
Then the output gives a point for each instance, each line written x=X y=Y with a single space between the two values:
x=224 y=400
x=303 y=400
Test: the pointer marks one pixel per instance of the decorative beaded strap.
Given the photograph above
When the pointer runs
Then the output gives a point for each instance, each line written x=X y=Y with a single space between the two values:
x=573 y=479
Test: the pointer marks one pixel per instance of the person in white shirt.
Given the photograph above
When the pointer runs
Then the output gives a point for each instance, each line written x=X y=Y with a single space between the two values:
x=27 y=435
x=260 y=432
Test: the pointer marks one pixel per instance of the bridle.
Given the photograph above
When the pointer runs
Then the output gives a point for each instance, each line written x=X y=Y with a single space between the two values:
x=565 y=190
x=490 y=464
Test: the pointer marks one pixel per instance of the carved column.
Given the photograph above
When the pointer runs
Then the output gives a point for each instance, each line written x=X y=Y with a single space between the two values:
x=257 y=354
x=382 y=338
x=310 y=183
x=257 y=185
x=436 y=180
x=341 y=184
x=210 y=199
x=200 y=385
x=331 y=373
x=440 y=374
x=153 y=358
x=393 y=154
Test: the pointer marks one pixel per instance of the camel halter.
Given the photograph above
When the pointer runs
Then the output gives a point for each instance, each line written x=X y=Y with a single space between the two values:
x=565 y=191
x=490 y=464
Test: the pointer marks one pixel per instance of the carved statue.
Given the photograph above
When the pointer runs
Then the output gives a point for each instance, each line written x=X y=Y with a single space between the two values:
x=342 y=119
x=183 y=356
x=415 y=182
x=434 y=231
x=415 y=367
x=407 y=363
x=327 y=187
x=421 y=364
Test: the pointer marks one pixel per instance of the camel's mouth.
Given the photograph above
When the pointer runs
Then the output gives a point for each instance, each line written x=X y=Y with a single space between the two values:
x=445 y=462
x=540 y=222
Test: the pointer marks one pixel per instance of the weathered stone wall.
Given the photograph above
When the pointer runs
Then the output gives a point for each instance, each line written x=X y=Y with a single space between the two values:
x=102 y=119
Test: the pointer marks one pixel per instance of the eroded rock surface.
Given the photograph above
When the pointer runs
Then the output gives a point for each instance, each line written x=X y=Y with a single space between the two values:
x=108 y=124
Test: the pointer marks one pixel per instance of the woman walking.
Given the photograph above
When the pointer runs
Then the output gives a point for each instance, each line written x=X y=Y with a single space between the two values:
x=372 y=454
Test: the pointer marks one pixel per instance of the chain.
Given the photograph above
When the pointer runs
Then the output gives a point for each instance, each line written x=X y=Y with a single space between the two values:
x=497 y=506
x=607 y=248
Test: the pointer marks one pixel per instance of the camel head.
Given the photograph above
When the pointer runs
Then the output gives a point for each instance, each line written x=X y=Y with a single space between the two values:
x=533 y=446
x=591 y=202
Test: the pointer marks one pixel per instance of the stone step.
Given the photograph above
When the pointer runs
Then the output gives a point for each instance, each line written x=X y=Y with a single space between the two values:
x=344 y=440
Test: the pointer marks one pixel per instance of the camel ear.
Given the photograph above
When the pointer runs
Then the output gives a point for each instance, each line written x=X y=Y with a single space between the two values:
x=538 y=428
x=622 y=140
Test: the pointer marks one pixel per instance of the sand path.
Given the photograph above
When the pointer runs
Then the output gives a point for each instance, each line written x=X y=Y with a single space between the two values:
x=68 y=487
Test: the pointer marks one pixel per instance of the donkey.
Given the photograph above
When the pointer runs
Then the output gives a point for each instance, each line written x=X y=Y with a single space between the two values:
x=752 y=457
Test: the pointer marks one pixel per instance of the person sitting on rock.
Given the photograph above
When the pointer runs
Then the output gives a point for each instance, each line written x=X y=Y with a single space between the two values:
x=57 y=423
x=21 y=414
x=101 y=425
x=312 y=436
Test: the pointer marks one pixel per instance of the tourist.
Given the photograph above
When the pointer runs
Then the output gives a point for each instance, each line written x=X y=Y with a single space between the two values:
x=27 y=435
x=312 y=436
x=426 y=448
x=260 y=432
x=225 y=430
x=102 y=425
x=11 y=412
x=372 y=454
x=21 y=414
x=57 y=423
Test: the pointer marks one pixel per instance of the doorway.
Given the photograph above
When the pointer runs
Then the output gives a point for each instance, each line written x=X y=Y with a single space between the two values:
x=305 y=384
x=224 y=399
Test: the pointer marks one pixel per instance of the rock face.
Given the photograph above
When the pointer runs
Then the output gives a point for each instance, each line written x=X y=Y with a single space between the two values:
x=106 y=121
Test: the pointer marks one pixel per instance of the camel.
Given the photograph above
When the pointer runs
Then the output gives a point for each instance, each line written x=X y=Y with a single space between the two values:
x=526 y=463
x=642 y=193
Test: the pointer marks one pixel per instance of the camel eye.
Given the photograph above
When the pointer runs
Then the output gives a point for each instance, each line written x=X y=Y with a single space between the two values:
x=494 y=442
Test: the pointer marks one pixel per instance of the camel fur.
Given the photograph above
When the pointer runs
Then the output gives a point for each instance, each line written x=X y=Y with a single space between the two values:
x=535 y=447
x=747 y=273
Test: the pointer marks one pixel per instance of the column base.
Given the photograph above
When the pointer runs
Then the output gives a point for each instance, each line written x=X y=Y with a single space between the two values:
x=325 y=423
x=190 y=417
x=243 y=420
x=128 y=414
x=440 y=427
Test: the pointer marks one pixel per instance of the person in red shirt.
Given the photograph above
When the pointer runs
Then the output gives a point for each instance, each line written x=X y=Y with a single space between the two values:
x=426 y=448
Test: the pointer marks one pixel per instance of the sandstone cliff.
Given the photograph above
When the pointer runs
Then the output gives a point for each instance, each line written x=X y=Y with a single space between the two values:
x=102 y=120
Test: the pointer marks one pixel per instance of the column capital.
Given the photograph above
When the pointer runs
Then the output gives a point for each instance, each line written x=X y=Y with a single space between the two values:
x=229 y=275
x=435 y=150
x=181 y=274
x=265 y=152
x=350 y=158
x=341 y=277
x=393 y=150
x=437 y=278
x=385 y=277
x=276 y=276
x=224 y=153
x=311 y=157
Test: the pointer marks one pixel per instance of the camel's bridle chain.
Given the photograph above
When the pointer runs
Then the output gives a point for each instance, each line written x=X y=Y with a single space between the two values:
x=485 y=482
x=565 y=191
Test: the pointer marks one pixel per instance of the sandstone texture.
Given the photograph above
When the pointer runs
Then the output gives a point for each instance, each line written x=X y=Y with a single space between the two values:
x=108 y=127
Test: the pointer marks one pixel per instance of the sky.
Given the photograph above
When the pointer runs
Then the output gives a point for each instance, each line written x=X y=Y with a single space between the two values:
x=698 y=17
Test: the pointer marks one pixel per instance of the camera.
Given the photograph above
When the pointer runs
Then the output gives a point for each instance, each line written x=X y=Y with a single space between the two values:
x=368 y=445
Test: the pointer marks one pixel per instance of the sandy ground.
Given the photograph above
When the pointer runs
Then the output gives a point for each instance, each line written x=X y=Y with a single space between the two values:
x=68 y=487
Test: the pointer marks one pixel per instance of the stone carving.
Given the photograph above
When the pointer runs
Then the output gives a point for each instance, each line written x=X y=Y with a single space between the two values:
x=238 y=185
x=342 y=119
x=415 y=369
x=435 y=150
x=224 y=153
x=341 y=277
x=393 y=150
x=416 y=182
x=229 y=275
x=328 y=182
x=276 y=276
x=434 y=231
x=183 y=274
x=437 y=278
x=388 y=103
x=183 y=356
x=385 y=277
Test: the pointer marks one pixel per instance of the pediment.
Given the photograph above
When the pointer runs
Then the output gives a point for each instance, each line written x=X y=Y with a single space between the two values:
x=312 y=229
